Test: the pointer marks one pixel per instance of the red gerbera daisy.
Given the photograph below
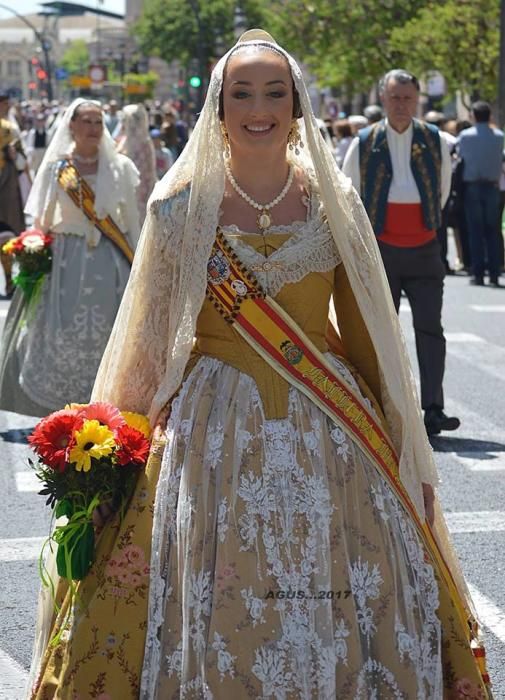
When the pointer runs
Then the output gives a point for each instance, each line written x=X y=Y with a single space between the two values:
x=133 y=446
x=52 y=435
x=17 y=245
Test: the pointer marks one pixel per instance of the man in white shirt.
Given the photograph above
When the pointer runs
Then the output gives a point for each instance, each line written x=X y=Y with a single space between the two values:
x=402 y=170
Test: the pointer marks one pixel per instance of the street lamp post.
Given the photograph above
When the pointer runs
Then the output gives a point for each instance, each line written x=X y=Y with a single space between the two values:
x=45 y=45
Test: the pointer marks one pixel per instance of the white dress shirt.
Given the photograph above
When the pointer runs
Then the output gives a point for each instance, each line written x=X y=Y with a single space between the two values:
x=403 y=189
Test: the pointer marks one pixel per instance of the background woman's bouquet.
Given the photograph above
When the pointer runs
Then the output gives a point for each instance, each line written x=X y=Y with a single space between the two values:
x=31 y=252
x=88 y=455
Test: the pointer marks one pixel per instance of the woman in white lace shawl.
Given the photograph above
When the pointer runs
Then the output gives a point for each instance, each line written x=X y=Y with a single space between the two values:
x=275 y=560
x=50 y=354
x=135 y=142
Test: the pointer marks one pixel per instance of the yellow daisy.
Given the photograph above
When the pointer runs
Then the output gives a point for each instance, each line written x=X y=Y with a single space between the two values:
x=92 y=440
x=8 y=247
x=138 y=422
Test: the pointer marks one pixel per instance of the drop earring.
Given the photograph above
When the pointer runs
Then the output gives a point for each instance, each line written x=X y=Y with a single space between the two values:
x=294 y=138
x=226 y=141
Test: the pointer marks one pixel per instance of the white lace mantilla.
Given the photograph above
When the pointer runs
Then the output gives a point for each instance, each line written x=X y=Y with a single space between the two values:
x=310 y=248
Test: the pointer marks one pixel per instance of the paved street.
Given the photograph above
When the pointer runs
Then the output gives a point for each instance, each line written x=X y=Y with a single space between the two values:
x=471 y=464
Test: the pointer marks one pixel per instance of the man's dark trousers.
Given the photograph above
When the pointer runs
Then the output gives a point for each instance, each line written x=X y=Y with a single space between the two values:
x=420 y=273
x=482 y=202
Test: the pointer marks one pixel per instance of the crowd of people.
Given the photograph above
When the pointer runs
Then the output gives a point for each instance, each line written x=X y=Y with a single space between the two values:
x=291 y=539
x=477 y=157
x=152 y=134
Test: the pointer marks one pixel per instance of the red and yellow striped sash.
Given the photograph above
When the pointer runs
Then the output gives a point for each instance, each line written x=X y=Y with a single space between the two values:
x=83 y=197
x=278 y=339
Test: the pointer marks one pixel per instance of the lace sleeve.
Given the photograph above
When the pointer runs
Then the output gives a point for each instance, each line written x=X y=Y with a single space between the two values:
x=134 y=361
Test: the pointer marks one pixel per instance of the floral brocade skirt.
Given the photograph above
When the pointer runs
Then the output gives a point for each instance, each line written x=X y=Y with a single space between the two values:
x=263 y=559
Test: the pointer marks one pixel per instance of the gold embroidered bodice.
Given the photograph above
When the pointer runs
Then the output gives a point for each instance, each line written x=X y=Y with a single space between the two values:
x=306 y=301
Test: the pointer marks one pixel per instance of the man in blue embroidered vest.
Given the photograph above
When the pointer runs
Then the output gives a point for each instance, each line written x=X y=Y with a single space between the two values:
x=402 y=169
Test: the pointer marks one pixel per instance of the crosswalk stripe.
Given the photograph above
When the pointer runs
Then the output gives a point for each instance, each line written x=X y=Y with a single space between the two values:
x=481 y=461
x=473 y=423
x=13 y=678
x=21 y=548
x=486 y=357
x=459 y=337
x=490 y=615
x=490 y=308
x=3 y=313
x=27 y=482
x=475 y=521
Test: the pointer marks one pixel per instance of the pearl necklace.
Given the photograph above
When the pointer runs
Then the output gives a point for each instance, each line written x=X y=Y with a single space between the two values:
x=83 y=159
x=264 y=219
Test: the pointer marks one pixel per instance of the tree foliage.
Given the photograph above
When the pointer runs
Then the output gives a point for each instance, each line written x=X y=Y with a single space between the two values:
x=459 y=38
x=139 y=86
x=76 y=57
x=345 y=44
x=190 y=29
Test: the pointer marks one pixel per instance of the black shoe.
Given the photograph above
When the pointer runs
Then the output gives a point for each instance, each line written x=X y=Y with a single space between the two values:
x=494 y=281
x=477 y=281
x=435 y=421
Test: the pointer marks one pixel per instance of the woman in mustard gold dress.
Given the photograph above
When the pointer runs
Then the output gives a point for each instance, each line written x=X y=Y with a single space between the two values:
x=284 y=541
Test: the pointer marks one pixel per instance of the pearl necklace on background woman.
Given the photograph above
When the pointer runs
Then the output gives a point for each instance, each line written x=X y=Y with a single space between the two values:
x=83 y=159
x=264 y=219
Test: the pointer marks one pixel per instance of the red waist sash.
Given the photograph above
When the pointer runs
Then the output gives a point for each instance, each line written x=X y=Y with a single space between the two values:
x=404 y=226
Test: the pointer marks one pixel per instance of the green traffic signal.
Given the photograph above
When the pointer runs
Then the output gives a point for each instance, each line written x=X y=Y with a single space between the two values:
x=195 y=81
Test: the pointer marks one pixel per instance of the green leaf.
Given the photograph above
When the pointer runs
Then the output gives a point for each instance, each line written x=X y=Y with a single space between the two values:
x=76 y=552
x=64 y=507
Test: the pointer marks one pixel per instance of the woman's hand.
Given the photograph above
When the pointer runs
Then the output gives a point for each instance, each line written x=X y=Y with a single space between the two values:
x=161 y=422
x=429 y=503
x=102 y=514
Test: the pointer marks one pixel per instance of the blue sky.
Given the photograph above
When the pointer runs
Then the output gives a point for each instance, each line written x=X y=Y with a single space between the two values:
x=25 y=7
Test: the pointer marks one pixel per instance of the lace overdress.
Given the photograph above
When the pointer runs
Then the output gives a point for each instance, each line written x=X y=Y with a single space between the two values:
x=280 y=565
x=290 y=570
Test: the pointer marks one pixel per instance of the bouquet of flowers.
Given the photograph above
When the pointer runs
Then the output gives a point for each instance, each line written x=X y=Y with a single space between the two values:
x=31 y=251
x=88 y=454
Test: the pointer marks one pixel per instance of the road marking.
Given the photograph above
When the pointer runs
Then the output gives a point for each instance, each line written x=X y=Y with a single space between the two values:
x=491 y=308
x=13 y=677
x=463 y=338
x=27 y=482
x=490 y=615
x=475 y=521
x=473 y=423
x=481 y=461
x=21 y=548
x=474 y=350
x=3 y=313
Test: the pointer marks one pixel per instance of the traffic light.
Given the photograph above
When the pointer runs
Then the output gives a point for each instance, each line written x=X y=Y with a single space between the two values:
x=195 y=81
x=41 y=74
